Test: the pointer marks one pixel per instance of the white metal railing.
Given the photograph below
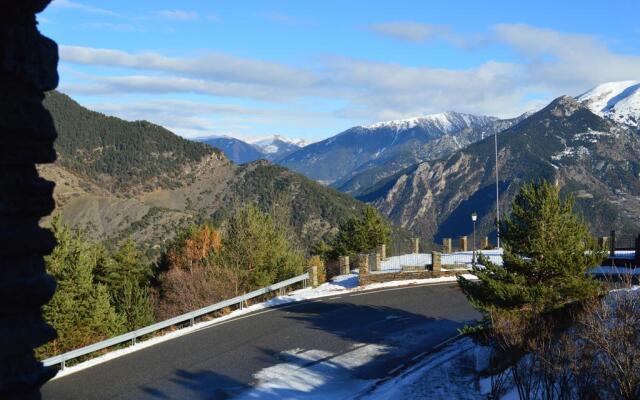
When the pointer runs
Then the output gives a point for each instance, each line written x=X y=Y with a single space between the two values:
x=190 y=316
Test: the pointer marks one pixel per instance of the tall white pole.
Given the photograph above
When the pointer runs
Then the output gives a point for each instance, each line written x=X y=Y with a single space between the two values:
x=495 y=137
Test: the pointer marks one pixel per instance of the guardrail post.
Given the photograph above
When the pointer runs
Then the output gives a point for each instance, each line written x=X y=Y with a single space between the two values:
x=63 y=365
x=446 y=245
x=612 y=244
x=192 y=321
x=463 y=243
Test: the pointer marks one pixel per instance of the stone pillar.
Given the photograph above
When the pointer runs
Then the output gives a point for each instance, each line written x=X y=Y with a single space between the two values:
x=344 y=265
x=313 y=276
x=28 y=68
x=382 y=249
x=463 y=243
x=603 y=242
x=436 y=261
x=415 y=245
x=374 y=262
x=484 y=245
x=612 y=244
x=363 y=268
x=446 y=245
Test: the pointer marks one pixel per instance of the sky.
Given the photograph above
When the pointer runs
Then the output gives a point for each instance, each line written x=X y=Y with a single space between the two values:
x=310 y=70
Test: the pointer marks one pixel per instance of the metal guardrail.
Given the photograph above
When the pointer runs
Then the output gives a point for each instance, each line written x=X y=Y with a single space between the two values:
x=190 y=316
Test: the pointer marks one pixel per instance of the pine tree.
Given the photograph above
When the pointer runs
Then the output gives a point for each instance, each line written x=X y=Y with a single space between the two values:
x=134 y=304
x=547 y=252
x=361 y=234
x=81 y=310
x=258 y=250
x=126 y=264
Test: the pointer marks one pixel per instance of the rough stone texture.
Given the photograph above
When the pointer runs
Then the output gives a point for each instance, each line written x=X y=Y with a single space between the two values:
x=415 y=248
x=28 y=63
x=436 y=261
x=383 y=251
x=464 y=243
x=365 y=279
x=374 y=262
x=332 y=269
x=344 y=265
x=603 y=242
x=313 y=276
x=447 y=247
x=484 y=244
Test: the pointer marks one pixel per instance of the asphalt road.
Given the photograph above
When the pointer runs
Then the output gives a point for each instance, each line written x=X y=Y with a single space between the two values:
x=221 y=361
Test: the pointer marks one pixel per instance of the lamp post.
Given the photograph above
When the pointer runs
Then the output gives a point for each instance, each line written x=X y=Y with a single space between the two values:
x=474 y=217
x=495 y=139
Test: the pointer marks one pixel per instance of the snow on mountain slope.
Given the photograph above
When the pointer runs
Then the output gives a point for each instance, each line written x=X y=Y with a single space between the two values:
x=619 y=101
x=276 y=146
x=446 y=122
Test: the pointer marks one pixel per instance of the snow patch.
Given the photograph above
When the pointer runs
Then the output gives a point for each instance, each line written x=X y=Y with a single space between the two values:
x=339 y=285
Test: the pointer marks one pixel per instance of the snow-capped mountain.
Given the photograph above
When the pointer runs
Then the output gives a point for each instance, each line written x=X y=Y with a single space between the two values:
x=440 y=123
x=390 y=145
x=619 y=101
x=268 y=148
x=277 y=146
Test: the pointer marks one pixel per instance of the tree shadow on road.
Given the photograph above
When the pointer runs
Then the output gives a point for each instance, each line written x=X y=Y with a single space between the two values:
x=339 y=349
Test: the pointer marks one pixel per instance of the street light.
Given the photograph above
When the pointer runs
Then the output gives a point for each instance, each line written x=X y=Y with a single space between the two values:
x=474 y=217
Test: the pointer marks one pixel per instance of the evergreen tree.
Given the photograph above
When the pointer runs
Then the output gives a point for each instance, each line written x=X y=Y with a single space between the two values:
x=134 y=304
x=361 y=234
x=81 y=310
x=127 y=264
x=547 y=252
x=257 y=250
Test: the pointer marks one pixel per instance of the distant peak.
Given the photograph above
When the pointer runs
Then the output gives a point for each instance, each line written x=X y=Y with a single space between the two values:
x=445 y=121
x=564 y=106
x=619 y=101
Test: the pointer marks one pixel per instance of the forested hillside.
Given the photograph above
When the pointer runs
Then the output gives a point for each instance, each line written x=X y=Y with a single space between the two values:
x=117 y=179
x=120 y=156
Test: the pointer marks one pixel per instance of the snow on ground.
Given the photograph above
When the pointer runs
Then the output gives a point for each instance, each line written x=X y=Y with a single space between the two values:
x=339 y=285
x=462 y=258
x=450 y=373
x=315 y=374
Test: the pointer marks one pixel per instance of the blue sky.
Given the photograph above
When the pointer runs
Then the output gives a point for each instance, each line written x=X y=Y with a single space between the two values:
x=312 y=69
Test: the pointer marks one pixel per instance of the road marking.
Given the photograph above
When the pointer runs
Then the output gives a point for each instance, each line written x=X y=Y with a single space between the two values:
x=437 y=347
x=333 y=298
x=418 y=356
x=396 y=369
x=402 y=288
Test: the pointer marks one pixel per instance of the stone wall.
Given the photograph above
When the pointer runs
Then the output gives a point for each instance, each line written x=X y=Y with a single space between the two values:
x=365 y=279
x=28 y=68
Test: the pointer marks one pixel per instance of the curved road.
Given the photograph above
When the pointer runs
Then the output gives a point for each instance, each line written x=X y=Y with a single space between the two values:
x=231 y=358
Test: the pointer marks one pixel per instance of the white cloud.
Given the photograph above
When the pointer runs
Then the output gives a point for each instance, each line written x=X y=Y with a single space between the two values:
x=410 y=31
x=548 y=64
x=179 y=15
x=215 y=66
